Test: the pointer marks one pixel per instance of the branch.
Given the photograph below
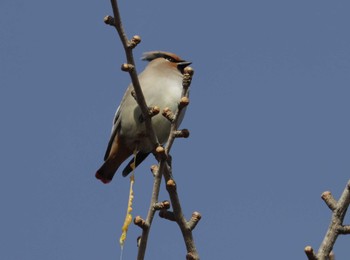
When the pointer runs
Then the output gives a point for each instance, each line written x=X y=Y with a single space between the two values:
x=185 y=227
x=163 y=169
x=131 y=68
x=140 y=99
x=151 y=211
x=177 y=215
x=161 y=153
x=184 y=101
x=336 y=226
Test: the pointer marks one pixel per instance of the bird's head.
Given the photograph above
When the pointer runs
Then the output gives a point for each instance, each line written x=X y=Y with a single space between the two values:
x=166 y=59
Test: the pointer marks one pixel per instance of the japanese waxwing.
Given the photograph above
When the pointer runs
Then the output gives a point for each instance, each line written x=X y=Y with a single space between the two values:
x=161 y=84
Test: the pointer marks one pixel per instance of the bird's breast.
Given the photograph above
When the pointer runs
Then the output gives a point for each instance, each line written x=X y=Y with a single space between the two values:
x=162 y=92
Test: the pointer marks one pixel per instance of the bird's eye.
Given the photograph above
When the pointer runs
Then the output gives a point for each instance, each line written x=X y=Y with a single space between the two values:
x=171 y=59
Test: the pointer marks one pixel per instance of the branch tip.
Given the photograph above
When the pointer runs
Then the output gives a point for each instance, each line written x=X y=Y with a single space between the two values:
x=134 y=42
x=184 y=101
x=310 y=253
x=189 y=70
x=171 y=185
x=329 y=200
x=184 y=133
x=326 y=194
x=168 y=114
x=166 y=204
x=154 y=111
x=196 y=217
x=109 y=20
x=160 y=151
x=162 y=205
x=187 y=77
x=127 y=67
x=140 y=222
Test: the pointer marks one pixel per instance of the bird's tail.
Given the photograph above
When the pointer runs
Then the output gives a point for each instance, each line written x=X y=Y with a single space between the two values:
x=118 y=152
x=107 y=170
x=111 y=165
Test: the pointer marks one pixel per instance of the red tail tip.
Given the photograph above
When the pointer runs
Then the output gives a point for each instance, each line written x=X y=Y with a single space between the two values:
x=100 y=177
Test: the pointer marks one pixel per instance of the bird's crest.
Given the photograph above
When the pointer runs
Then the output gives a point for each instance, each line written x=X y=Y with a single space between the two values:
x=151 y=55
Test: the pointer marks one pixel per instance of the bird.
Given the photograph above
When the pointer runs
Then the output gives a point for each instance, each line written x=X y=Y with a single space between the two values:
x=161 y=84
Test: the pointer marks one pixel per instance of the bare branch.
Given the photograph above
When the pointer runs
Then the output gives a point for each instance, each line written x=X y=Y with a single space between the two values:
x=162 y=154
x=336 y=226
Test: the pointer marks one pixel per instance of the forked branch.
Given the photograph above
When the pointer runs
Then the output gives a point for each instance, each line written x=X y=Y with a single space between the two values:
x=162 y=154
x=336 y=227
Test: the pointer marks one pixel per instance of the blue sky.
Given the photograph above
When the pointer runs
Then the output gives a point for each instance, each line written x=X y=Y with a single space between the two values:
x=269 y=123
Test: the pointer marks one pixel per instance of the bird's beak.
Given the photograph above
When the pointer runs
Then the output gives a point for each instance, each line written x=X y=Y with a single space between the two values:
x=183 y=64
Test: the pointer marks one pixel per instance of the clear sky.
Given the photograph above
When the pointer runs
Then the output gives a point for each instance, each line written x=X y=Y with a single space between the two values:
x=269 y=123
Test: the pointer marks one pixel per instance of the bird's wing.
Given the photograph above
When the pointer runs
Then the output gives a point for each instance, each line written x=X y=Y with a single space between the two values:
x=115 y=129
